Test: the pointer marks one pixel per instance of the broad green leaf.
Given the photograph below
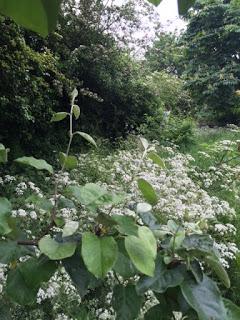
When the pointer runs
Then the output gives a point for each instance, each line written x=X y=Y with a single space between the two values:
x=11 y=251
x=99 y=253
x=199 y=243
x=146 y=234
x=80 y=276
x=155 y=2
x=35 y=271
x=196 y=270
x=204 y=298
x=3 y=154
x=123 y=265
x=142 y=250
x=163 y=278
x=68 y=162
x=125 y=225
x=40 y=203
x=177 y=239
x=156 y=159
x=38 y=164
x=5 y=209
x=147 y=191
x=56 y=250
x=149 y=220
x=233 y=311
x=17 y=289
x=70 y=228
x=59 y=116
x=5 y=206
x=126 y=302
x=158 y=312
x=23 y=283
x=86 y=137
x=38 y=15
x=184 y=5
x=93 y=195
x=76 y=111
x=217 y=267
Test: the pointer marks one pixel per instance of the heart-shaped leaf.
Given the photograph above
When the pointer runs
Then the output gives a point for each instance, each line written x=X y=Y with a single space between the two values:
x=99 y=253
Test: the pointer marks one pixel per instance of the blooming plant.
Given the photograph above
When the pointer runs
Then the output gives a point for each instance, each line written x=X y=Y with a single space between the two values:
x=117 y=256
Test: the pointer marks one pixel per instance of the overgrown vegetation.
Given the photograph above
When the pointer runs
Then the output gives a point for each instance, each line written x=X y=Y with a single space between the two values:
x=138 y=218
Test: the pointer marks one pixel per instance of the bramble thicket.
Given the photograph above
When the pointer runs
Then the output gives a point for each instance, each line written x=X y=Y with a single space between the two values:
x=119 y=161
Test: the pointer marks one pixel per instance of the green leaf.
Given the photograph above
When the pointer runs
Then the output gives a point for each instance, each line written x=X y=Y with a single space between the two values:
x=125 y=225
x=123 y=265
x=68 y=162
x=80 y=276
x=142 y=250
x=163 y=278
x=204 y=298
x=158 y=312
x=70 y=228
x=5 y=206
x=86 y=137
x=3 y=154
x=99 y=253
x=199 y=243
x=126 y=302
x=23 y=283
x=59 y=116
x=38 y=164
x=36 y=271
x=5 y=209
x=149 y=220
x=92 y=195
x=147 y=191
x=156 y=159
x=38 y=15
x=40 y=203
x=11 y=251
x=233 y=311
x=184 y=5
x=178 y=238
x=76 y=111
x=56 y=250
x=217 y=267
x=196 y=270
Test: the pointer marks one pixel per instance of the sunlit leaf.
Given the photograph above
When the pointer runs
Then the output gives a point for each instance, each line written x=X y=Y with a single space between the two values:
x=56 y=250
x=86 y=137
x=68 y=162
x=76 y=111
x=147 y=191
x=142 y=250
x=38 y=15
x=38 y=164
x=70 y=228
x=99 y=253
x=59 y=116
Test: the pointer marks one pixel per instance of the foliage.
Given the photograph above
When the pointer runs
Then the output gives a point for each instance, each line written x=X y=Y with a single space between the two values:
x=39 y=16
x=32 y=88
x=160 y=254
x=212 y=58
x=166 y=54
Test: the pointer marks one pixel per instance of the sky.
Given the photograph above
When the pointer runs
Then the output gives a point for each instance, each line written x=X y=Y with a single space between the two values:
x=168 y=13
